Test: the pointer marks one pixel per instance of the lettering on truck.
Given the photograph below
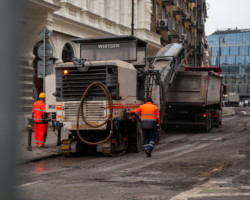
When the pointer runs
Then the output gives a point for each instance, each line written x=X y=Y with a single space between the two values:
x=108 y=46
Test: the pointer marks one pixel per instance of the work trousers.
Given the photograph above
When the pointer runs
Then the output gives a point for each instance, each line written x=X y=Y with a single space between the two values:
x=149 y=138
x=40 y=132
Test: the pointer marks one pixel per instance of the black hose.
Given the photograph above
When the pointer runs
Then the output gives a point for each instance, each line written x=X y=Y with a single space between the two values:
x=80 y=110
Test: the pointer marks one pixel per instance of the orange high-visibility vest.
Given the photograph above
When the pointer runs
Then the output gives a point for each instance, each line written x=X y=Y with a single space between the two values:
x=38 y=110
x=149 y=113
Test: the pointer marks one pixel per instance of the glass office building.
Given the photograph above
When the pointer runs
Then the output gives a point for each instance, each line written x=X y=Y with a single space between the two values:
x=230 y=50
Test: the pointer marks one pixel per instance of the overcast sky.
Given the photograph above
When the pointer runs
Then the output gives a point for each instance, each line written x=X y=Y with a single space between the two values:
x=224 y=14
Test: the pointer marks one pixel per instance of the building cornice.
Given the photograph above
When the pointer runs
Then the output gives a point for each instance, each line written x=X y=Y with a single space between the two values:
x=79 y=24
x=46 y=4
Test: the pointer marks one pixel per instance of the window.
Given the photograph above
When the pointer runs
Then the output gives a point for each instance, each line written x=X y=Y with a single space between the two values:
x=163 y=13
x=231 y=60
x=222 y=60
x=213 y=60
x=242 y=70
x=244 y=50
x=215 y=51
x=169 y=23
x=234 y=50
x=247 y=60
x=67 y=53
x=121 y=11
x=240 y=60
x=105 y=8
x=174 y=24
x=89 y=5
x=157 y=12
x=225 y=51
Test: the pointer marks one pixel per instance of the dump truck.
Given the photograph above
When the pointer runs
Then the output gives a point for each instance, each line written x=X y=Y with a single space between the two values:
x=194 y=99
x=92 y=94
x=233 y=99
x=190 y=96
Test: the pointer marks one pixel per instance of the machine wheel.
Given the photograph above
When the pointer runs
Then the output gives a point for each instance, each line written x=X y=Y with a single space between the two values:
x=135 y=137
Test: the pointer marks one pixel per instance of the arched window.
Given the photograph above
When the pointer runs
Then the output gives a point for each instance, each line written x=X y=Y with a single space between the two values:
x=67 y=53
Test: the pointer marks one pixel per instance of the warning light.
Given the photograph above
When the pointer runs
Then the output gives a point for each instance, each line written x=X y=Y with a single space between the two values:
x=204 y=115
x=65 y=72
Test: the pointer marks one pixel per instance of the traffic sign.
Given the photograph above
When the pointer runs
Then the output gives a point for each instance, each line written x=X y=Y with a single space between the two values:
x=45 y=33
x=48 y=51
x=48 y=68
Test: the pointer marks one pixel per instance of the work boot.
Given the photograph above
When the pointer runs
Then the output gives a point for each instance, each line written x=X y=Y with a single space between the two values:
x=148 y=153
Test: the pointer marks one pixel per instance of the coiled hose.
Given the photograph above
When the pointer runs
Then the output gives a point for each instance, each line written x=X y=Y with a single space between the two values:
x=80 y=110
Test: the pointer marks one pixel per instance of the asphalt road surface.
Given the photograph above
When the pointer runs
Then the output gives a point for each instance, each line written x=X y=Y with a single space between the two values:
x=186 y=165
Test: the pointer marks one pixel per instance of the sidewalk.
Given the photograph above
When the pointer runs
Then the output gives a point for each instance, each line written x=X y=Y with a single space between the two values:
x=51 y=148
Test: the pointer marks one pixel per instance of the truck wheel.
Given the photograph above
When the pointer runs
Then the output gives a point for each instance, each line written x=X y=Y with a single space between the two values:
x=220 y=117
x=216 y=119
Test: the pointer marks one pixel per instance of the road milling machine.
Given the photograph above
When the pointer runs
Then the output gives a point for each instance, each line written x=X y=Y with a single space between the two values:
x=91 y=95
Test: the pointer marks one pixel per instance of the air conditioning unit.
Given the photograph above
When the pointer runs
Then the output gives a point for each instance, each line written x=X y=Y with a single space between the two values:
x=162 y=24
x=183 y=37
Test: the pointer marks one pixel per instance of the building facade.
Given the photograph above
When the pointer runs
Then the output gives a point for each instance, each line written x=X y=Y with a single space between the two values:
x=70 y=19
x=182 y=20
x=230 y=50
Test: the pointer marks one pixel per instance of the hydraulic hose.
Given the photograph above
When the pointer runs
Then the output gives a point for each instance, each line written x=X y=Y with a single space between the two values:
x=80 y=110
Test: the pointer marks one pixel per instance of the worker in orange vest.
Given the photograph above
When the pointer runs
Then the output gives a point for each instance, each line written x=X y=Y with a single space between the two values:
x=150 y=120
x=41 y=119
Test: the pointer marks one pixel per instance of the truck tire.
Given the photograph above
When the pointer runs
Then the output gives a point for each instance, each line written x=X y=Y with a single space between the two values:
x=216 y=119
x=220 y=117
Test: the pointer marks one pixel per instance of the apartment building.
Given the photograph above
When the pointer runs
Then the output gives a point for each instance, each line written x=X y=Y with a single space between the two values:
x=183 y=20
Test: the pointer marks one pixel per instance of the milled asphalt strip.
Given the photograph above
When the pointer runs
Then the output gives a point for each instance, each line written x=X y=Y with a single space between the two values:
x=27 y=184
x=211 y=191
x=154 y=159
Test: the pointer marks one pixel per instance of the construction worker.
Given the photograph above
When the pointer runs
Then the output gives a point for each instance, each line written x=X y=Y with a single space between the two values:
x=150 y=120
x=41 y=119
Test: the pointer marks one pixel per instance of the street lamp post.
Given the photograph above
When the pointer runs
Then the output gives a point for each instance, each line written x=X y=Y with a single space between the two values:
x=132 y=21
x=223 y=41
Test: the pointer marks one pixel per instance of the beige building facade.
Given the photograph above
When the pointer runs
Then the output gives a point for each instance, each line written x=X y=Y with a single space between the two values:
x=69 y=19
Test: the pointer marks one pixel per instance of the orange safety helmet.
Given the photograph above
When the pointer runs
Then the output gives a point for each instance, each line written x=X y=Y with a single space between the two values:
x=42 y=95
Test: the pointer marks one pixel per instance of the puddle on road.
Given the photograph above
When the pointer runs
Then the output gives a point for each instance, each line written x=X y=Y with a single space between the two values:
x=53 y=164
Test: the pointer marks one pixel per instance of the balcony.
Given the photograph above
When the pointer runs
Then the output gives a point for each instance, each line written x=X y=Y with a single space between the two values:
x=187 y=18
x=191 y=1
x=193 y=25
x=169 y=2
x=178 y=12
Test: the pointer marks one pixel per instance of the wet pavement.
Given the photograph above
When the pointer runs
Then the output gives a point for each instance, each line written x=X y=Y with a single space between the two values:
x=51 y=148
x=184 y=166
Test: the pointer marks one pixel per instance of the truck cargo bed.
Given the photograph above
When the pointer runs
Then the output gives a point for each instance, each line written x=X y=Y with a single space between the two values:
x=195 y=88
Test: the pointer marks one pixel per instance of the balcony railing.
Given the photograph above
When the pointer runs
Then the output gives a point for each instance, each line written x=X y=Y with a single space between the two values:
x=169 y=2
x=191 y=1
